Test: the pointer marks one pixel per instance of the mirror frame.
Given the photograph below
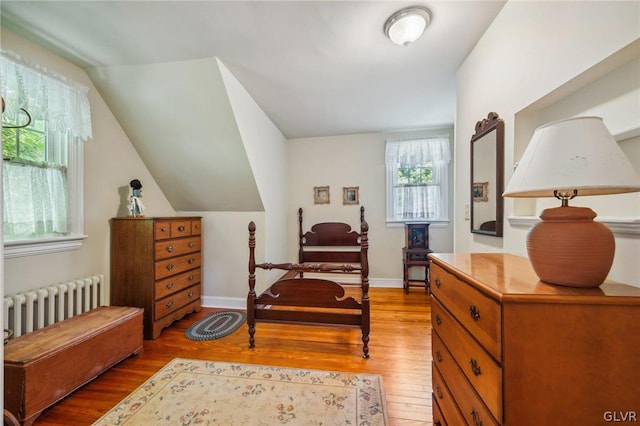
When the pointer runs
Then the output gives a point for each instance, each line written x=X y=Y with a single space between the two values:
x=483 y=128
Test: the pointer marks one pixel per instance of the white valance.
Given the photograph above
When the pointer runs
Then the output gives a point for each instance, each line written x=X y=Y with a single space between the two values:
x=415 y=152
x=45 y=95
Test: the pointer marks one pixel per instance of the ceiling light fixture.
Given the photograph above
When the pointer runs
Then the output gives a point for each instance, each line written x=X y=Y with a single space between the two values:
x=407 y=25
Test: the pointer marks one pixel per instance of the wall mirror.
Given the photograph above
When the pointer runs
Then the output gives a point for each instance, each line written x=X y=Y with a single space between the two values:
x=487 y=176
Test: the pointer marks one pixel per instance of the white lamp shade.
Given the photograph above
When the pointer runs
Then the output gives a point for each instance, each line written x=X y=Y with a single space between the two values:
x=407 y=25
x=574 y=154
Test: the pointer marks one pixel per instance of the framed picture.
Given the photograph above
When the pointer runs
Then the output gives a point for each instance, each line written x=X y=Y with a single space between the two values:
x=320 y=195
x=481 y=191
x=350 y=195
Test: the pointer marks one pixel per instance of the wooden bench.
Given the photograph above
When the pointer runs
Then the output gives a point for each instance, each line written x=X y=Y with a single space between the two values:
x=42 y=367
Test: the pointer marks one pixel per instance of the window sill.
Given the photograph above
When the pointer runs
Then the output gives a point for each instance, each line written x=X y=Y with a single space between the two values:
x=433 y=223
x=42 y=246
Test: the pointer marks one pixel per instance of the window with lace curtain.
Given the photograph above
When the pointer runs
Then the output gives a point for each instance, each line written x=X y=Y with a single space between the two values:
x=417 y=179
x=42 y=163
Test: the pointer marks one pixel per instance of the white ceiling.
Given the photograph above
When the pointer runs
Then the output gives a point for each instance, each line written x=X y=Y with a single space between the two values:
x=317 y=68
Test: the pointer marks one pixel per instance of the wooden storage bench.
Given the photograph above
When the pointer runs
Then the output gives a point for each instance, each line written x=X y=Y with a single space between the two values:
x=42 y=367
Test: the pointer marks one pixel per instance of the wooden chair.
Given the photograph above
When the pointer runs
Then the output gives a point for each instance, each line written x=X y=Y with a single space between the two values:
x=415 y=254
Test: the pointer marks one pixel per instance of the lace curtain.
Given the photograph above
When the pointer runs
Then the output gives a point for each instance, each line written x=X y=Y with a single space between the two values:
x=35 y=196
x=47 y=96
x=418 y=201
x=34 y=200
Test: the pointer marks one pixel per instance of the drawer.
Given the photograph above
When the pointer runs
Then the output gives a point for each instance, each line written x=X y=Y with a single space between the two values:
x=448 y=408
x=175 y=301
x=176 y=283
x=477 y=365
x=473 y=409
x=479 y=314
x=438 y=418
x=176 y=229
x=176 y=265
x=180 y=228
x=170 y=248
x=162 y=230
x=196 y=227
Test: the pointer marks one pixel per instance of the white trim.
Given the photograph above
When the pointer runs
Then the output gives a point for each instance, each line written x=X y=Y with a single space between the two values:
x=224 y=302
x=42 y=246
x=627 y=134
x=618 y=225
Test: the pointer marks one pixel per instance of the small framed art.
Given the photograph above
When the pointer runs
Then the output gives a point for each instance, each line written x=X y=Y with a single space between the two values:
x=481 y=191
x=350 y=195
x=321 y=195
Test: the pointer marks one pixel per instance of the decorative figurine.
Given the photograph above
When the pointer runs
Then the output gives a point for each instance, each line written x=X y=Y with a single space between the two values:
x=136 y=208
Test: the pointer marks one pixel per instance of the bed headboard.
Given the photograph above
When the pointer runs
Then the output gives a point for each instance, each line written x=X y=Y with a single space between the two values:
x=336 y=242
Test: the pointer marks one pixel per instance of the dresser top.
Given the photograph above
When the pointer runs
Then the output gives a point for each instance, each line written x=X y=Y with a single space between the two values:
x=506 y=276
x=157 y=218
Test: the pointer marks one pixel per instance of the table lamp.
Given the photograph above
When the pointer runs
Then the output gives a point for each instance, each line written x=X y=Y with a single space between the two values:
x=565 y=159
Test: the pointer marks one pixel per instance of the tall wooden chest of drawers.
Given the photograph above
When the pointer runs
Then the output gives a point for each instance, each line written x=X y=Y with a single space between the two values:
x=156 y=265
x=509 y=349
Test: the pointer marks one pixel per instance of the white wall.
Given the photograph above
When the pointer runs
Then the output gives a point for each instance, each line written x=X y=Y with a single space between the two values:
x=540 y=61
x=225 y=234
x=110 y=164
x=354 y=160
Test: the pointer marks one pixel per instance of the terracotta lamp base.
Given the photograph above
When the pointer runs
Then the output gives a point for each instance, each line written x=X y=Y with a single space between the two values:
x=568 y=248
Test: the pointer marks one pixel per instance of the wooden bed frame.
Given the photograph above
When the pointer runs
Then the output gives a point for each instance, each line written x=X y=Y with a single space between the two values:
x=297 y=299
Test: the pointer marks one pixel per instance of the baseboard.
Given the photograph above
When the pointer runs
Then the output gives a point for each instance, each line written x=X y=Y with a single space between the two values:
x=241 y=302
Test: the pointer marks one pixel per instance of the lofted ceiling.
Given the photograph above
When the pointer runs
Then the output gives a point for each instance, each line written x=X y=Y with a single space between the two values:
x=316 y=68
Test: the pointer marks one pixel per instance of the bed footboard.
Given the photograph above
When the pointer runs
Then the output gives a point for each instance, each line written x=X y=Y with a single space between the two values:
x=296 y=299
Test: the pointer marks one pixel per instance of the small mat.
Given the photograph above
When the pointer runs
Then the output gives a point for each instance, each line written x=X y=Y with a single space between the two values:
x=216 y=325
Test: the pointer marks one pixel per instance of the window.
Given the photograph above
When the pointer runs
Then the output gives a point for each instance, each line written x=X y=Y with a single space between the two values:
x=42 y=162
x=417 y=179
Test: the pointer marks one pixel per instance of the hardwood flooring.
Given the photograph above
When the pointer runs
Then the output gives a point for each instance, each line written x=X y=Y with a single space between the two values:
x=400 y=349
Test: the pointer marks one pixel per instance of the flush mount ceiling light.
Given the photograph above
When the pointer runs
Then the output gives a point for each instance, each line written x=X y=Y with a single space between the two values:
x=407 y=25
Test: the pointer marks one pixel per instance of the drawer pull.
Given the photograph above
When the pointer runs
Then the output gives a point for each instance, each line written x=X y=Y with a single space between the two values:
x=475 y=368
x=476 y=418
x=438 y=319
x=170 y=267
x=163 y=229
x=170 y=248
x=192 y=244
x=170 y=286
x=439 y=392
x=191 y=277
x=438 y=356
x=181 y=228
x=169 y=304
x=191 y=261
x=437 y=282
x=474 y=312
x=190 y=294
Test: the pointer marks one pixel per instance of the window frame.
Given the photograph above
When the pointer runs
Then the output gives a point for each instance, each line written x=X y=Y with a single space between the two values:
x=390 y=181
x=75 y=193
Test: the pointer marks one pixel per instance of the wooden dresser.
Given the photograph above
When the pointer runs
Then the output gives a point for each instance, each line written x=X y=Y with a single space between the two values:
x=510 y=350
x=156 y=265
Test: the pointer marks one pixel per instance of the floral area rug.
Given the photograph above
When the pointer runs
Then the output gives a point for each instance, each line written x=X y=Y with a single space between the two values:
x=194 y=392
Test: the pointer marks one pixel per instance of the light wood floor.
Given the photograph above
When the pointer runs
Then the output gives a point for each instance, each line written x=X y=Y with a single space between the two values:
x=400 y=349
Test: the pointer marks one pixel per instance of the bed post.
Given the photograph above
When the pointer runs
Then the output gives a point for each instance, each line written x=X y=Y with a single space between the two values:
x=251 y=297
x=364 y=262
x=300 y=239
